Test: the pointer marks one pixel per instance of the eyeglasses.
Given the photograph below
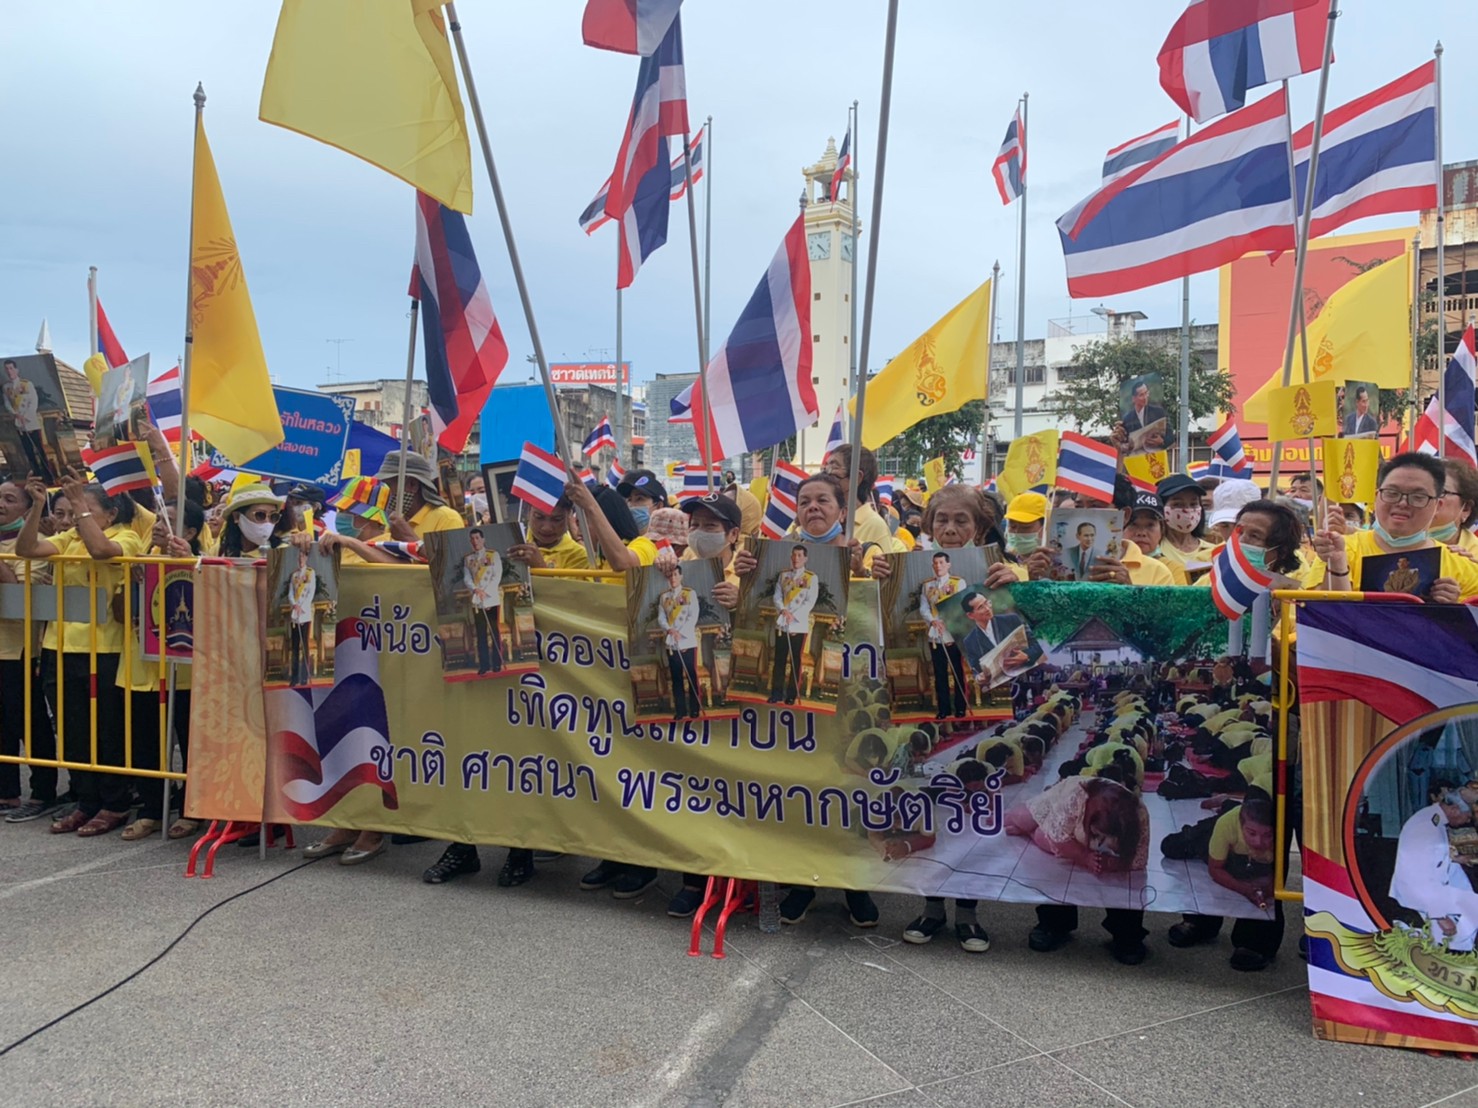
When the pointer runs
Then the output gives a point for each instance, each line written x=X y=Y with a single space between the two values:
x=262 y=515
x=1415 y=499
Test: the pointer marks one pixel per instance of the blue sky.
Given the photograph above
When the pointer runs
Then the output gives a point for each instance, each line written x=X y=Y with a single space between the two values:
x=98 y=123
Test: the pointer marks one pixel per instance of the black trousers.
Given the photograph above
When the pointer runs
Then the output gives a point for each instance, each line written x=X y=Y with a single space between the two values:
x=1262 y=936
x=95 y=791
x=489 y=643
x=1124 y=925
x=147 y=713
x=788 y=651
x=968 y=905
x=682 y=669
x=13 y=731
x=947 y=667
x=35 y=449
x=299 y=654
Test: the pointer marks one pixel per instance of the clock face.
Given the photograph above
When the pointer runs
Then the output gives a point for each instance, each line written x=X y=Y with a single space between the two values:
x=818 y=245
x=848 y=247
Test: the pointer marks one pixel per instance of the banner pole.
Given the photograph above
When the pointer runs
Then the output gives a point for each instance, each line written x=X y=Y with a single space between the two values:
x=885 y=102
x=856 y=231
x=701 y=426
x=1302 y=220
x=561 y=437
x=1021 y=285
x=1183 y=440
x=708 y=228
x=406 y=406
x=988 y=465
x=1441 y=274
x=622 y=399
x=1413 y=397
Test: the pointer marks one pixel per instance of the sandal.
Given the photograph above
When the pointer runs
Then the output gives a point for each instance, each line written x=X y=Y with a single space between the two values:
x=102 y=823
x=140 y=829
x=69 y=822
x=183 y=828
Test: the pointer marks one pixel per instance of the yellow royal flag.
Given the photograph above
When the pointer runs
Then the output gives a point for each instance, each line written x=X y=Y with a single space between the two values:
x=375 y=79
x=1302 y=412
x=934 y=474
x=351 y=464
x=1350 y=469
x=95 y=367
x=1363 y=334
x=231 y=403
x=1030 y=461
x=1148 y=470
x=939 y=372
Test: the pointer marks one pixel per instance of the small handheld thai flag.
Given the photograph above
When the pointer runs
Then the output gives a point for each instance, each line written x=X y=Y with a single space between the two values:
x=834 y=437
x=587 y=478
x=616 y=474
x=405 y=551
x=884 y=487
x=601 y=436
x=695 y=482
x=1226 y=443
x=844 y=162
x=785 y=484
x=1235 y=582
x=1086 y=466
x=1009 y=168
x=122 y=468
x=164 y=405
x=540 y=478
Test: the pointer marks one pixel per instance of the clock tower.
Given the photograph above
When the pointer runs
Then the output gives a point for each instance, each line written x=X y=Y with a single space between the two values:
x=831 y=249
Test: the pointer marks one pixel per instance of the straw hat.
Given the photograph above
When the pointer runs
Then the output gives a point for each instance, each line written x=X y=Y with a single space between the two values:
x=248 y=495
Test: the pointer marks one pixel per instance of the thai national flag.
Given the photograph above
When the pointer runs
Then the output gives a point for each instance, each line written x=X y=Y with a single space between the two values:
x=615 y=474
x=695 y=482
x=587 y=478
x=465 y=350
x=759 y=383
x=601 y=436
x=1378 y=155
x=164 y=405
x=627 y=26
x=120 y=468
x=785 y=485
x=835 y=437
x=1009 y=168
x=540 y=478
x=1134 y=153
x=1458 y=381
x=108 y=343
x=844 y=163
x=641 y=182
x=884 y=488
x=1221 y=193
x=678 y=186
x=1086 y=466
x=594 y=216
x=1226 y=443
x=1235 y=582
x=1219 y=50
x=680 y=407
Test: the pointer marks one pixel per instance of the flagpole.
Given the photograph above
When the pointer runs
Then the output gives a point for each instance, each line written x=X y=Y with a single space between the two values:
x=561 y=437
x=884 y=106
x=986 y=464
x=1441 y=274
x=708 y=228
x=1302 y=220
x=406 y=407
x=856 y=230
x=621 y=400
x=705 y=445
x=1021 y=283
x=189 y=323
x=1413 y=400
x=1183 y=441
x=92 y=309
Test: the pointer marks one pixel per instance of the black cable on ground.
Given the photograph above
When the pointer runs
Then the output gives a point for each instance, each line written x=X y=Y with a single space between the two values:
x=152 y=962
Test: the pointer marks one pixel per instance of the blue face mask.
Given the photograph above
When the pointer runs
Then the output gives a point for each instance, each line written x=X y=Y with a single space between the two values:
x=830 y=536
x=1446 y=533
x=1398 y=544
x=1023 y=543
x=6 y=528
x=641 y=516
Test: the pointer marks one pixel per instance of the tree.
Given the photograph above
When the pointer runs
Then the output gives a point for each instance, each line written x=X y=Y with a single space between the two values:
x=947 y=435
x=1091 y=402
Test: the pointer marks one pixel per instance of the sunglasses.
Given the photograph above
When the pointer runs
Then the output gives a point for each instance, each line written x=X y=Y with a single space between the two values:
x=262 y=515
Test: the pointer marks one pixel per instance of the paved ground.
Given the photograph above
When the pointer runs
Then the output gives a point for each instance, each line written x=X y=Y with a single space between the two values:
x=363 y=987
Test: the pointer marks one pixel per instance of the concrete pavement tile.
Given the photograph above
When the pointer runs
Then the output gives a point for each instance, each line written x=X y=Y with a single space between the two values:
x=1038 y=1081
x=908 y=1098
x=1262 y=1053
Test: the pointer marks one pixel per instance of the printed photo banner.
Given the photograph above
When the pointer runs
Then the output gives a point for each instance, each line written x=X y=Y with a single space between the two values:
x=1074 y=801
x=1390 y=850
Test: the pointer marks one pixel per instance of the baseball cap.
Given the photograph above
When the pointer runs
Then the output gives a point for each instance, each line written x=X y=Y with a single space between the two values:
x=1027 y=507
x=645 y=482
x=1145 y=501
x=1177 y=482
x=717 y=503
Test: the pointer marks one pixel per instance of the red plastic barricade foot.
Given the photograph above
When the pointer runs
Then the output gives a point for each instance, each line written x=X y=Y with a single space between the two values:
x=737 y=895
x=219 y=834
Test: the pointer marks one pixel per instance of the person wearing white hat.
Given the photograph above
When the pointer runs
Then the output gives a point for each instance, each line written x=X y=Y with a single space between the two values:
x=1229 y=498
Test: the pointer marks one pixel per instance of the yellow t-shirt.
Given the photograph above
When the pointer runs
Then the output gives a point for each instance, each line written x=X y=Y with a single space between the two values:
x=1015 y=760
x=1144 y=571
x=1169 y=553
x=77 y=638
x=566 y=554
x=13 y=631
x=143 y=523
x=1226 y=838
x=1222 y=720
x=1103 y=755
x=1468 y=541
x=1362 y=544
x=438 y=518
x=644 y=548
x=1174 y=565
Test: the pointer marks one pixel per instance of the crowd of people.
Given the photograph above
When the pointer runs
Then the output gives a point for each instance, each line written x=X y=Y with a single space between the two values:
x=1093 y=813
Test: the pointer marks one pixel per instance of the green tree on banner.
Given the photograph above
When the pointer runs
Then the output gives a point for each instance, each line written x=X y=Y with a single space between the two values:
x=1159 y=623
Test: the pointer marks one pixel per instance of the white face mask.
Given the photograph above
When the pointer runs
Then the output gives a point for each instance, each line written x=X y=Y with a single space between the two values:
x=255 y=533
x=707 y=544
x=480 y=503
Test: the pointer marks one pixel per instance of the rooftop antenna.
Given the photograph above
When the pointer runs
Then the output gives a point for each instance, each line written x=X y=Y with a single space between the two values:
x=338 y=373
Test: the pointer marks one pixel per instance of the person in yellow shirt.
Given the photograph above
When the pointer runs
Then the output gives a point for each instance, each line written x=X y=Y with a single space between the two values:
x=15 y=651
x=1408 y=490
x=1185 y=524
x=1146 y=529
x=550 y=545
x=868 y=528
x=101 y=531
x=1457 y=508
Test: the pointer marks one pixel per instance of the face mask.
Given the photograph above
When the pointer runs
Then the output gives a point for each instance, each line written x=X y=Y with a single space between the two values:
x=480 y=503
x=1446 y=533
x=1306 y=505
x=1399 y=544
x=1257 y=555
x=1023 y=544
x=830 y=536
x=707 y=544
x=1183 y=519
x=256 y=534
x=9 y=527
x=641 y=516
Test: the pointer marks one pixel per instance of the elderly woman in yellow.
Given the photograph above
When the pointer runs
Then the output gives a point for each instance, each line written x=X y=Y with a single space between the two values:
x=1457 y=508
x=101 y=531
x=1408 y=488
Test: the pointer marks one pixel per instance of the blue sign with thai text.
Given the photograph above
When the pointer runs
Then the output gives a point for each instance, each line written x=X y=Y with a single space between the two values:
x=316 y=430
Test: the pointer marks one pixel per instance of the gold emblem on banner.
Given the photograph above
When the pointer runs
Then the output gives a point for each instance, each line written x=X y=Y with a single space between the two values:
x=1157 y=465
x=1404 y=964
x=215 y=267
x=1303 y=412
x=1036 y=465
x=1324 y=359
x=929 y=384
x=1347 y=477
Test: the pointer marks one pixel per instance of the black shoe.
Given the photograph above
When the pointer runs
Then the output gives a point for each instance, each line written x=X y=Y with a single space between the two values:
x=517 y=869
x=1249 y=961
x=31 y=809
x=773 y=698
x=972 y=938
x=632 y=883
x=861 y=908
x=455 y=861
x=406 y=840
x=547 y=855
x=1129 y=954
x=1186 y=934
x=684 y=903
x=793 y=907
x=1044 y=941
x=601 y=876
x=923 y=929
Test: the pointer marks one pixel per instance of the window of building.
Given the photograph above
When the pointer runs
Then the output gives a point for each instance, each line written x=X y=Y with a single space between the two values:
x=1035 y=375
x=815 y=296
x=815 y=338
